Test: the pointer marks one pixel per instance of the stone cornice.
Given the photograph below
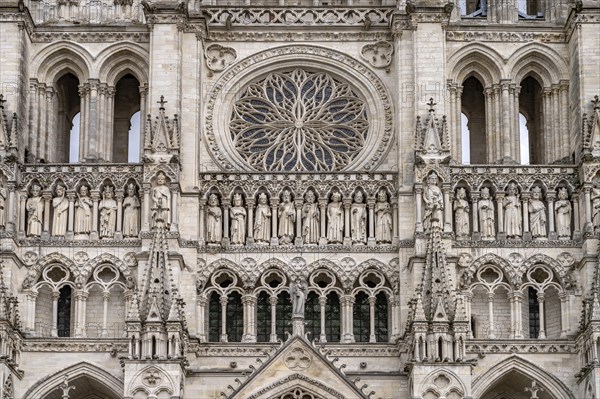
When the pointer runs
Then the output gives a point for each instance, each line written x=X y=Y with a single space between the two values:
x=90 y=35
x=469 y=35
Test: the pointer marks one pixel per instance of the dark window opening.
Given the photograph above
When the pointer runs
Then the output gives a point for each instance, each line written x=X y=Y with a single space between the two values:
x=263 y=318
x=63 y=322
x=214 y=318
x=361 y=318
x=235 y=318
x=534 y=314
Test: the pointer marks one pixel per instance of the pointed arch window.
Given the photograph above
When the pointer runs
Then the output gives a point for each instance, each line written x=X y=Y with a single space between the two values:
x=312 y=315
x=214 y=318
x=263 y=318
x=381 y=318
x=235 y=320
x=473 y=104
x=361 y=318
x=534 y=313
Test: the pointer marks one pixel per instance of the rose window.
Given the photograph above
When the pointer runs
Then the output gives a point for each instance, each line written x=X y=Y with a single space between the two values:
x=299 y=121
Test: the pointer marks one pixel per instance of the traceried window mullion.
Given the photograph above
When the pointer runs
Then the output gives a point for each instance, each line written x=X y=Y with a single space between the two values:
x=361 y=318
x=312 y=315
x=214 y=318
x=283 y=315
x=263 y=318
x=332 y=317
x=235 y=320
x=381 y=318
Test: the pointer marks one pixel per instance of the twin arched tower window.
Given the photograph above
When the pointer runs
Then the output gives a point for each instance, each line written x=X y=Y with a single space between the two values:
x=524 y=123
x=74 y=122
x=526 y=9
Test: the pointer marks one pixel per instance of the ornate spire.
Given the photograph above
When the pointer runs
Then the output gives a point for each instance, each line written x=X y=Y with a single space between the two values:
x=431 y=136
x=8 y=129
x=163 y=136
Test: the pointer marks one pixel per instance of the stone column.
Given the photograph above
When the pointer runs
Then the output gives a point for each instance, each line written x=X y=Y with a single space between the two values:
x=497 y=122
x=22 y=214
x=10 y=217
x=489 y=124
x=323 y=209
x=371 y=221
x=104 y=331
x=200 y=318
x=273 y=302
x=274 y=239
x=119 y=227
x=525 y=216
x=394 y=203
x=348 y=328
x=146 y=207
x=506 y=136
x=564 y=116
x=110 y=122
x=49 y=127
x=33 y=116
x=564 y=314
x=226 y=202
x=518 y=298
x=540 y=298
x=458 y=122
x=31 y=301
x=446 y=187
x=419 y=205
x=500 y=206
x=250 y=312
x=550 y=197
x=298 y=205
x=84 y=298
x=41 y=125
x=71 y=198
x=588 y=226
x=143 y=101
x=514 y=122
x=175 y=209
x=475 y=213
x=95 y=194
x=54 y=330
x=47 y=196
x=492 y=327
x=372 y=336
x=223 y=301
x=322 y=303
x=347 y=202
x=576 y=217
x=551 y=139
x=250 y=220
x=556 y=121
x=468 y=298
x=454 y=133
x=201 y=228
x=102 y=132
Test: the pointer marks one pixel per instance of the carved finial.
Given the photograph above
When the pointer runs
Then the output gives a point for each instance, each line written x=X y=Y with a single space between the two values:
x=65 y=387
x=431 y=104
x=2 y=101
x=162 y=103
x=595 y=101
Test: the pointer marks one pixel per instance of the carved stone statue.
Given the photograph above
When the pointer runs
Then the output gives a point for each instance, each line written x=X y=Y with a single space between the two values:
x=487 y=217
x=2 y=206
x=287 y=216
x=461 y=214
x=108 y=213
x=131 y=213
x=383 y=219
x=563 y=210
x=83 y=212
x=434 y=203
x=298 y=299
x=214 y=220
x=161 y=201
x=237 y=214
x=60 y=205
x=537 y=214
x=335 y=217
x=311 y=230
x=596 y=205
x=262 y=221
x=358 y=219
x=512 y=212
x=35 y=212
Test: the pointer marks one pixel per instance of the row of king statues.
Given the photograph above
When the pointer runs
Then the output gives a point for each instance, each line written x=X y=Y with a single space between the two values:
x=315 y=223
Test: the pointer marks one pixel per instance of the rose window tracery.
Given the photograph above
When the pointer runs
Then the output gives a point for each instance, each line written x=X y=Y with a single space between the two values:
x=299 y=121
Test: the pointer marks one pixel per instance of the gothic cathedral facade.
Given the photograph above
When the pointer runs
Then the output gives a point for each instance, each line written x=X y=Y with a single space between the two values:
x=299 y=199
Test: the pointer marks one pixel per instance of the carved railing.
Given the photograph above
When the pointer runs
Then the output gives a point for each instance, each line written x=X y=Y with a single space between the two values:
x=290 y=16
x=93 y=12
